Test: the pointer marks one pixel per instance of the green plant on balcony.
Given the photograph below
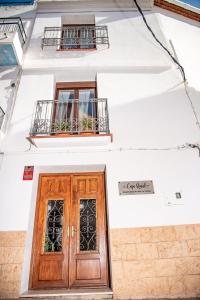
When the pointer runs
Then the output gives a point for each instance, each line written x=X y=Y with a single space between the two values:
x=86 y=124
x=60 y=127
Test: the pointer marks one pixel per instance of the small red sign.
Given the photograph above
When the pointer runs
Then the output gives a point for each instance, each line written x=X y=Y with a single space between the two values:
x=28 y=173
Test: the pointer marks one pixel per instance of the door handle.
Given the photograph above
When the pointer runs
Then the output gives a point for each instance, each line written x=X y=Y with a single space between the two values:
x=68 y=231
x=73 y=230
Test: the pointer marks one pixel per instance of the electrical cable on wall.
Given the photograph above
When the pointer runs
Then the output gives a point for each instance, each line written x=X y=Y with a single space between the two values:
x=175 y=60
x=159 y=42
x=118 y=149
x=182 y=147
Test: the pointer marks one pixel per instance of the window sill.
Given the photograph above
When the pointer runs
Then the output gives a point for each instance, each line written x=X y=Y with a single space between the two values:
x=67 y=140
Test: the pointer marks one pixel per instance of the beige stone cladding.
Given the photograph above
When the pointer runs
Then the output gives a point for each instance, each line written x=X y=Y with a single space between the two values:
x=156 y=262
x=12 y=245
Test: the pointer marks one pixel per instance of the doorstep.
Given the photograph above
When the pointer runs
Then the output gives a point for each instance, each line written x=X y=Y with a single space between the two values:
x=70 y=294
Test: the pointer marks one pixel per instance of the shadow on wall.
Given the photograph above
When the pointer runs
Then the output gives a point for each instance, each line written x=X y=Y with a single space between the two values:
x=51 y=52
x=162 y=120
x=136 y=27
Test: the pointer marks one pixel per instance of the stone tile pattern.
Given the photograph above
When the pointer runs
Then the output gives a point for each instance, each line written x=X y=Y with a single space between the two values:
x=178 y=9
x=12 y=245
x=156 y=262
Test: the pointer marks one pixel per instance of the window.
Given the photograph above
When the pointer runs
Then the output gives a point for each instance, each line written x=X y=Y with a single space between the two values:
x=78 y=37
x=75 y=108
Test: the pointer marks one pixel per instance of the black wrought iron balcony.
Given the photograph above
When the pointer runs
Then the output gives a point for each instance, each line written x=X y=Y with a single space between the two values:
x=75 y=37
x=11 y=25
x=70 y=117
x=2 y=114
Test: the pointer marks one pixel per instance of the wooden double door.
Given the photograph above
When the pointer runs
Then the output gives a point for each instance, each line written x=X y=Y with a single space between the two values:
x=70 y=241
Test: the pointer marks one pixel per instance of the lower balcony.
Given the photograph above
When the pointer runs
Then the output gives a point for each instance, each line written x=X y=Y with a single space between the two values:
x=70 y=123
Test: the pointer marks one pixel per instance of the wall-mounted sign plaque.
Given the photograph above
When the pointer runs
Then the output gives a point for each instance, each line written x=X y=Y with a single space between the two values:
x=136 y=187
x=28 y=173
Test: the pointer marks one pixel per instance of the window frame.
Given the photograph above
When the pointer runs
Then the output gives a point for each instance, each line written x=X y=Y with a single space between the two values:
x=76 y=86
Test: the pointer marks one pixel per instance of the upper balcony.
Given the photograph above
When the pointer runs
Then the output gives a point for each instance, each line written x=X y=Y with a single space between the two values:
x=69 y=123
x=13 y=38
x=76 y=37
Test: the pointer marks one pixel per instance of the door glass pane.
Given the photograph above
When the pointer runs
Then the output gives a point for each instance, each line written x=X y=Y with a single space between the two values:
x=65 y=95
x=87 y=224
x=87 y=109
x=86 y=94
x=54 y=226
x=63 y=110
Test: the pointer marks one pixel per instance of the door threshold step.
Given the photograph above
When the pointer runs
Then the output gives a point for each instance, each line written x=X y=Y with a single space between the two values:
x=81 y=294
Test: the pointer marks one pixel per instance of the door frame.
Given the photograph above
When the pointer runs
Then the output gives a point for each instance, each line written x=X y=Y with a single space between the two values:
x=36 y=215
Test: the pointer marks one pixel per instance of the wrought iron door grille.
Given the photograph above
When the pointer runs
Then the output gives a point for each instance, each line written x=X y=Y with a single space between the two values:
x=70 y=117
x=2 y=114
x=75 y=37
x=10 y=25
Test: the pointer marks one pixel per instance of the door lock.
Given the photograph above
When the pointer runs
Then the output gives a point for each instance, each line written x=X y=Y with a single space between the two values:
x=73 y=230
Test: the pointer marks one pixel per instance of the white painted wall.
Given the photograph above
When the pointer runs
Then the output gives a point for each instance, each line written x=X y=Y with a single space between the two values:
x=148 y=109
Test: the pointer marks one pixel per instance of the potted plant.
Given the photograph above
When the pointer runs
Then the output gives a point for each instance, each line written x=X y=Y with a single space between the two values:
x=87 y=126
x=61 y=127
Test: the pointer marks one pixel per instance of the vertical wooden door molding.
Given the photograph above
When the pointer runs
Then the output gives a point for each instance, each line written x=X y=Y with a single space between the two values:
x=88 y=261
x=49 y=267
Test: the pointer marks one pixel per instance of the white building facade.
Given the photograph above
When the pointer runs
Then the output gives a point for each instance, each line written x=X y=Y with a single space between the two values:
x=100 y=153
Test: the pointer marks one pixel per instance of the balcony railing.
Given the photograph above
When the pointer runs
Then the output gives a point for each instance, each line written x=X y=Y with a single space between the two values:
x=2 y=114
x=70 y=117
x=75 y=37
x=10 y=25
x=15 y=2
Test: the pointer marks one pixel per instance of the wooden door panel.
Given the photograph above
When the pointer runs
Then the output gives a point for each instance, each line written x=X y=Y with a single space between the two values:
x=88 y=269
x=88 y=251
x=92 y=185
x=50 y=268
x=51 y=240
